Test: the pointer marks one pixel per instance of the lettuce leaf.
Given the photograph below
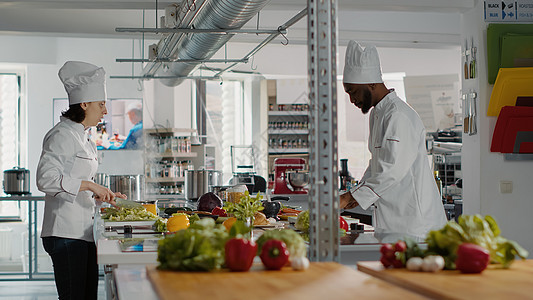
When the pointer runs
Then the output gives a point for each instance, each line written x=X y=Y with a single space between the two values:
x=197 y=248
x=475 y=229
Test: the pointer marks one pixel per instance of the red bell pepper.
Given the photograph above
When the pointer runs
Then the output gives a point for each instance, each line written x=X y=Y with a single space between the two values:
x=240 y=254
x=274 y=254
x=343 y=224
x=218 y=211
x=471 y=258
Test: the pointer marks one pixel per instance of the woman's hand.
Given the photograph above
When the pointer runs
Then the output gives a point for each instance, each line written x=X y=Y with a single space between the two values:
x=101 y=193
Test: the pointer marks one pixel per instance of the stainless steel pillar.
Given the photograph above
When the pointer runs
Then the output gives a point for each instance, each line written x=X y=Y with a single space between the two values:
x=323 y=200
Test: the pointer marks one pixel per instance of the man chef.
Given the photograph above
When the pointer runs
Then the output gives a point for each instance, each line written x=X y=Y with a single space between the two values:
x=398 y=178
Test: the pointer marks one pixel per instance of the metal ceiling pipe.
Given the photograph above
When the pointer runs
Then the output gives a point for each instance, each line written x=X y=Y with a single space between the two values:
x=216 y=14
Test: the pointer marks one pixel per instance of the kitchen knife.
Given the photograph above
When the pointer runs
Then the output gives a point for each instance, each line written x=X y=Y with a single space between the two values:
x=127 y=203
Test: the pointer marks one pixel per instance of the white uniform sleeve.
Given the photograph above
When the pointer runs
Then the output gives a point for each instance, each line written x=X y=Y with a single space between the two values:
x=391 y=160
x=53 y=171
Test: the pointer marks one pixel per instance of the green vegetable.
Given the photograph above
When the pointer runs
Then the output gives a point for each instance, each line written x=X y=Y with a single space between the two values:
x=476 y=230
x=194 y=218
x=302 y=221
x=197 y=248
x=160 y=225
x=128 y=214
x=295 y=243
x=246 y=208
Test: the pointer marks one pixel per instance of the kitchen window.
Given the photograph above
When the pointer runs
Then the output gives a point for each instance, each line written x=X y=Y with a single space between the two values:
x=12 y=133
x=228 y=120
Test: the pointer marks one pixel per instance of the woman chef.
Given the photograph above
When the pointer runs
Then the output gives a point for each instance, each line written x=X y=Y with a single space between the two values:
x=398 y=179
x=65 y=174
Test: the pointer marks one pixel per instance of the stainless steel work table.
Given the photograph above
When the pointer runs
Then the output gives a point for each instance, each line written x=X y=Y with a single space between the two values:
x=32 y=241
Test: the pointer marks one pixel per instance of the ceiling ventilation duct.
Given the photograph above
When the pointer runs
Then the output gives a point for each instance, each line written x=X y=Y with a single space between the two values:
x=214 y=14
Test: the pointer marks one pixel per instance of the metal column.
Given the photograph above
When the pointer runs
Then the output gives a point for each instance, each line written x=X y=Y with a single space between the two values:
x=323 y=201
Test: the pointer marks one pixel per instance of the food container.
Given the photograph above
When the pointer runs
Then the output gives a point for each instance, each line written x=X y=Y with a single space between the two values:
x=102 y=179
x=17 y=181
x=196 y=183
x=129 y=185
x=235 y=193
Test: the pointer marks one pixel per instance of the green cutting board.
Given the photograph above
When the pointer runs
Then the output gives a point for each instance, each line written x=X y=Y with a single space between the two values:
x=495 y=39
x=517 y=51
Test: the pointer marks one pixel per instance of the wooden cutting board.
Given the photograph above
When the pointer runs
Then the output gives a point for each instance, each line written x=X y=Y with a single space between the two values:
x=493 y=283
x=321 y=281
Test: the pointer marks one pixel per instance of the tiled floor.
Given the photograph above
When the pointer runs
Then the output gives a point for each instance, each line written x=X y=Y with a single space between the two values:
x=35 y=290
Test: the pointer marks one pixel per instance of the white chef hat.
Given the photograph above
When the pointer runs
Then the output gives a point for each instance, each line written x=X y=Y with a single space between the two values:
x=361 y=66
x=84 y=82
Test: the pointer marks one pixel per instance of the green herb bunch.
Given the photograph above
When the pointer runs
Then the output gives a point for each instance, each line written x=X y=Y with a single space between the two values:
x=246 y=208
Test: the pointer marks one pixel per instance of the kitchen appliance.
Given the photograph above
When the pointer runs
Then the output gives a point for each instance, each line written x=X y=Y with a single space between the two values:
x=214 y=178
x=344 y=175
x=196 y=183
x=282 y=166
x=129 y=185
x=17 y=181
x=298 y=180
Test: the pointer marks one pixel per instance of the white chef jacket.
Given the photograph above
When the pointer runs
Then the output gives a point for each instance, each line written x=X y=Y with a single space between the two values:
x=398 y=178
x=68 y=157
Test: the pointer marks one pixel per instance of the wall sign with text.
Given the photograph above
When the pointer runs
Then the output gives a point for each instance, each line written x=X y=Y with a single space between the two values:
x=508 y=11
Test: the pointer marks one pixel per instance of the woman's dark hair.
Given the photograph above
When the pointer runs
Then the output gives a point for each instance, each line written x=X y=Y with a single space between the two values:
x=74 y=113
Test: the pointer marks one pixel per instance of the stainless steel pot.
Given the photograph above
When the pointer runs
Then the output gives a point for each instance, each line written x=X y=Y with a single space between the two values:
x=129 y=185
x=196 y=183
x=17 y=181
x=214 y=178
x=102 y=179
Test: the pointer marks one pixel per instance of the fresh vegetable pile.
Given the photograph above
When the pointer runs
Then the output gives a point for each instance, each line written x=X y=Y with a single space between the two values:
x=477 y=230
x=246 y=208
x=467 y=245
x=204 y=246
x=197 y=248
x=293 y=241
x=128 y=214
x=302 y=222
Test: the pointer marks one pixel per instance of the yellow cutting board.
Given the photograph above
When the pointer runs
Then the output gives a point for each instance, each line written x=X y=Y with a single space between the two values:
x=493 y=283
x=326 y=280
x=510 y=84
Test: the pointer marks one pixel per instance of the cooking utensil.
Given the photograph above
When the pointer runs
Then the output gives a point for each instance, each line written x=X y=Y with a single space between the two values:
x=129 y=185
x=127 y=203
x=17 y=181
x=102 y=179
x=196 y=183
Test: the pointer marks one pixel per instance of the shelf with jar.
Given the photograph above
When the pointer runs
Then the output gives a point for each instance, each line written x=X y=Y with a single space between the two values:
x=288 y=123
x=170 y=153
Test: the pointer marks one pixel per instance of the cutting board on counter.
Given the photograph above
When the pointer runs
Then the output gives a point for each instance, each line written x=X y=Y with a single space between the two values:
x=493 y=283
x=326 y=280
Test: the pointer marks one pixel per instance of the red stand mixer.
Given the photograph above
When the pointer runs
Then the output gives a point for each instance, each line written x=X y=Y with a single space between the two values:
x=289 y=176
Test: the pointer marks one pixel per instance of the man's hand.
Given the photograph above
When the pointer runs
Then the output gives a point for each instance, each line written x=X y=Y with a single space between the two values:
x=347 y=201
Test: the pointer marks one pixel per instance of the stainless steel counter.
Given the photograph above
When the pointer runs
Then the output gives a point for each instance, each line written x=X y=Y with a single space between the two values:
x=33 y=273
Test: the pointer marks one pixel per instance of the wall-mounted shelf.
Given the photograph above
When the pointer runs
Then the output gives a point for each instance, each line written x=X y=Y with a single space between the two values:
x=288 y=131
x=288 y=151
x=169 y=131
x=165 y=179
x=173 y=155
x=288 y=113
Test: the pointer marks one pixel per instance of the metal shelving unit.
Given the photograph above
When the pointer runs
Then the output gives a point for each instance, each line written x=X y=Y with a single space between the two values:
x=322 y=76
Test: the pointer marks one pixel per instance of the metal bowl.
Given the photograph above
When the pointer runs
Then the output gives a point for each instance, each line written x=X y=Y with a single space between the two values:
x=297 y=179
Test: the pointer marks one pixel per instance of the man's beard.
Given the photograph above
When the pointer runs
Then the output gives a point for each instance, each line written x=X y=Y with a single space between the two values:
x=367 y=101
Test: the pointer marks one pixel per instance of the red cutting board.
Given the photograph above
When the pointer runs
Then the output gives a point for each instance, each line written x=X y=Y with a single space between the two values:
x=504 y=136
